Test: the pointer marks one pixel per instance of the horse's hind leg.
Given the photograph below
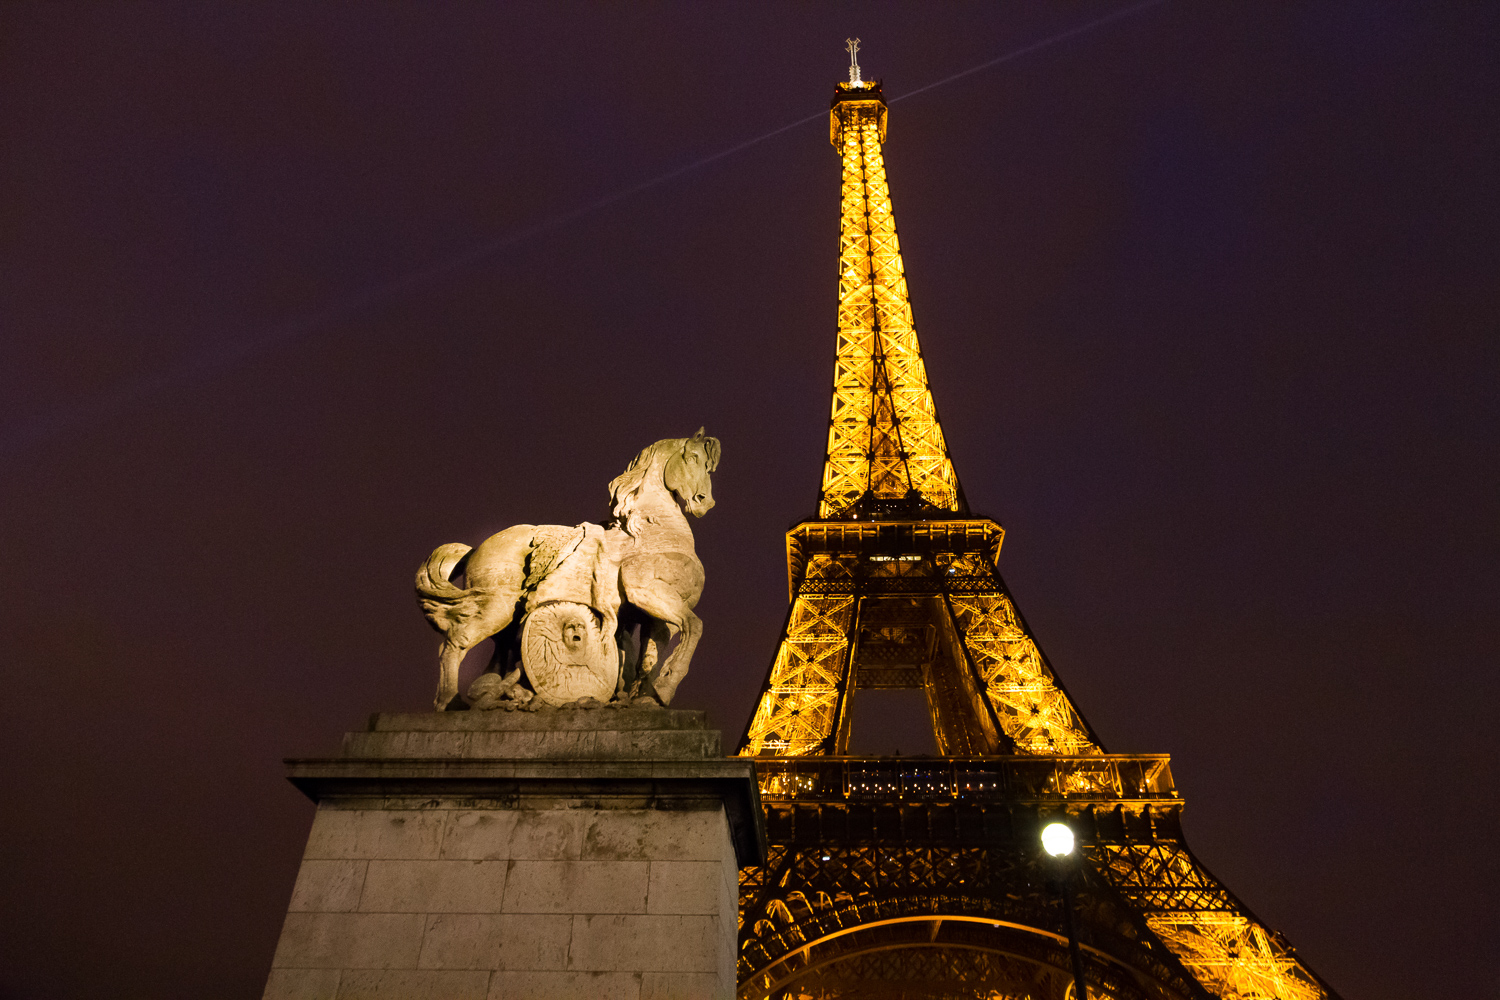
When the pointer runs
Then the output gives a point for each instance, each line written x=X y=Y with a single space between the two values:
x=450 y=658
x=675 y=669
x=494 y=574
x=492 y=616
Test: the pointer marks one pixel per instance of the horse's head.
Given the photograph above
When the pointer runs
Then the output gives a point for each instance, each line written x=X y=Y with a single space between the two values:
x=686 y=472
x=681 y=466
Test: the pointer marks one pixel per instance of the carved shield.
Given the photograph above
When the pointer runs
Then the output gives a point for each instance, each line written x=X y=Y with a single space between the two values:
x=567 y=654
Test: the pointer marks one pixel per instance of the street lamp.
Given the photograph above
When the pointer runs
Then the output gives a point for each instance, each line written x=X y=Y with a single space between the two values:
x=1057 y=840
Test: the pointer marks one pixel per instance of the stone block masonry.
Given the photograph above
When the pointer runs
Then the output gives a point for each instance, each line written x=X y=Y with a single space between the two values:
x=571 y=853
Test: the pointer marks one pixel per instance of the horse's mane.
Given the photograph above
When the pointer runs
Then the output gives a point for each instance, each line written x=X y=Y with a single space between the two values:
x=625 y=490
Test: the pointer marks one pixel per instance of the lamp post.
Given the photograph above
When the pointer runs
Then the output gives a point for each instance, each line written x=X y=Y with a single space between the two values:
x=1057 y=840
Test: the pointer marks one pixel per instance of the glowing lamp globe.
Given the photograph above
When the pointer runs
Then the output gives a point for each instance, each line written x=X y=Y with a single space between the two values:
x=1057 y=839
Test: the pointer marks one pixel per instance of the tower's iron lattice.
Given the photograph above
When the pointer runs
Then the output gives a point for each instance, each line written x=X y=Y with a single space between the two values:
x=921 y=877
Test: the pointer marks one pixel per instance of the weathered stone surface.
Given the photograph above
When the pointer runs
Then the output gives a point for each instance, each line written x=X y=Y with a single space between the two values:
x=577 y=887
x=549 y=833
x=343 y=833
x=646 y=942
x=329 y=886
x=557 y=720
x=655 y=835
x=547 y=985
x=434 y=886
x=679 y=986
x=562 y=734
x=479 y=834
x=603 y=744
x=449 y=875
x=651 y=755
x=678 y=887
x=303 y=984
x=406 y=745
x=350 y=941
x=497 y=941
x=409 y=984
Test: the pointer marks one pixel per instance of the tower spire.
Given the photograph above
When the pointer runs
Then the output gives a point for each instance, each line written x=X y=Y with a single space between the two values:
x=886 y=453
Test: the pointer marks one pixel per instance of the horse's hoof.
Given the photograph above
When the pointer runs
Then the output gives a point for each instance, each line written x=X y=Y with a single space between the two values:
x=645 y=701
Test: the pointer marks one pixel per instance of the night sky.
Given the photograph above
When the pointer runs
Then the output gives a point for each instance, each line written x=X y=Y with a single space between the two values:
x=290 y=294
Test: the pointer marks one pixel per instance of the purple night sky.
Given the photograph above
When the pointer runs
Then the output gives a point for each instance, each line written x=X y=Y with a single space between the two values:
x=292 y=293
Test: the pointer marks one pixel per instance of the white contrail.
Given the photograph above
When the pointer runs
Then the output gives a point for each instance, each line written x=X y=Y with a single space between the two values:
x=1028 y=49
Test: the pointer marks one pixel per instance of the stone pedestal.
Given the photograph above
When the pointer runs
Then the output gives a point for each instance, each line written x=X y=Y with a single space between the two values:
x=504 y=855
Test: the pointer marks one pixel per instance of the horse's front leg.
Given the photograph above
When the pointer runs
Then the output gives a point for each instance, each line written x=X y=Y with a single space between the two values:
x=665 y=585
x=675 y=669
x=672 y=616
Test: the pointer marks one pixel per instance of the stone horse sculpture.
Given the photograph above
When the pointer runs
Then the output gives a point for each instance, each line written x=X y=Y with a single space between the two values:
x=580 y=591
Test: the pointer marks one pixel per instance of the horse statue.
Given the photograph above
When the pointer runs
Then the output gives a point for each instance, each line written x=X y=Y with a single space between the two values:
x=581 y=593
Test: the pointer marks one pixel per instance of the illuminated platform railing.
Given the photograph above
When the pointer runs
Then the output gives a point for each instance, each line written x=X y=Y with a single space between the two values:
x=982 y=779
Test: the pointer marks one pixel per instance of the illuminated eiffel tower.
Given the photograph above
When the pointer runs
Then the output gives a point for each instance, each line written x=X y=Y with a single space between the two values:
x=922 y=876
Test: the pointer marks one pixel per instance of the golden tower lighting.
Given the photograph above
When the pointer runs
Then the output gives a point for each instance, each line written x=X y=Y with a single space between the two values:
x=919 y=877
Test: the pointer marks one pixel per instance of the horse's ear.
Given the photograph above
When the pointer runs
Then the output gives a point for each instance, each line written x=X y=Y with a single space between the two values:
x=698 y=436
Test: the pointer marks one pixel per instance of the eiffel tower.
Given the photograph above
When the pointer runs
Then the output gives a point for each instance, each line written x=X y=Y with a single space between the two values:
x=923 y=877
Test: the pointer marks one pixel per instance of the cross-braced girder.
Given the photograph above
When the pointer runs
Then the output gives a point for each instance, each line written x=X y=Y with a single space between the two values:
x=909 y=604
x=929 y=971
x=884 y=439
x=859 y=843
x=1216 y=938
x=818 y=906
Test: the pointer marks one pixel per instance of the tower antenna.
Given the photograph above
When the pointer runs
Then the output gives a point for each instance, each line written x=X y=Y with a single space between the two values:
x=852 y=44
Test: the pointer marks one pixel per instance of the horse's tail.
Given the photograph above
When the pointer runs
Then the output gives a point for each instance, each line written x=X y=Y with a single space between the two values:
x=444 y=602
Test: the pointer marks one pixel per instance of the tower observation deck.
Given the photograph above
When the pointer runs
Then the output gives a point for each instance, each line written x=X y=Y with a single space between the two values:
x=923 y=877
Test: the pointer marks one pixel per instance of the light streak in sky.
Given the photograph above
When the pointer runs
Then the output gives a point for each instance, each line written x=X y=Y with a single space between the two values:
x=19 y=439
